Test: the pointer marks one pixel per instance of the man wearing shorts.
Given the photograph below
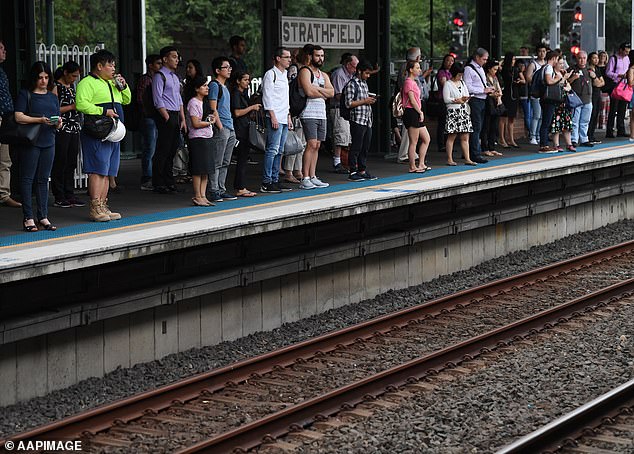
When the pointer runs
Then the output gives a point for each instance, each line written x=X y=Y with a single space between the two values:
x=95 y=95
x=313 y=117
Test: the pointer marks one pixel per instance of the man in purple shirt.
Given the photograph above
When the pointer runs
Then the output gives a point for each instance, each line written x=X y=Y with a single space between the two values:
x=616 y=69
x=475 y=79
x=166 y=93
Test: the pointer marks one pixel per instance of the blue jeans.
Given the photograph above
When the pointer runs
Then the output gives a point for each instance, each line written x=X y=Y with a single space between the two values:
x=528 y=114
x=580 y=121
x=148 y=145
x=548 y=110
x=275 y=140
x=536 y=118
x=222 y=145
x=477 y=120
x=35 y=166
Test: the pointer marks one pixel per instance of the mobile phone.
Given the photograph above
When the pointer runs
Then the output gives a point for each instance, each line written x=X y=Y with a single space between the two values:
x=372 y=95
x=54 y=119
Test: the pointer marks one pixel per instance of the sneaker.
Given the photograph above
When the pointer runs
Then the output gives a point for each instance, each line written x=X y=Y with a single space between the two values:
x=340 y=169
x=282 y=187
x=233 y=162
x=62 y=204
x=533 y=141
x=252 y=161
x=216 y=197
x=368 y=176
x=270 y=187
x=75 y=202
x=571 y=148
x=587 y=144
x=356 y=177
x=548 y=149
x=147 y=186
x=306 y=184
x=227 y=196
x=318 y=183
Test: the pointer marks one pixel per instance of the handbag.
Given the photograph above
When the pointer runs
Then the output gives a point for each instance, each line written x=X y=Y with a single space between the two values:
x=293 y=144
x=14 y=133
x=99 y=126
x=622 y=91
x=257 y=133
x=553 y=94
x=573 y=100
x=495 y=109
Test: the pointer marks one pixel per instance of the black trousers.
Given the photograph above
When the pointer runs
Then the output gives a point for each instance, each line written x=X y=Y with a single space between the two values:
x=166 y=146
x=361 y=140
x=241 y=152
x=64 y=164
x=617 y=110
x=489 y=133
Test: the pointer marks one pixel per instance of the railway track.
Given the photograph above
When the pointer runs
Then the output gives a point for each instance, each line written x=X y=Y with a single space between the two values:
x=604 y=425
x=242 y=404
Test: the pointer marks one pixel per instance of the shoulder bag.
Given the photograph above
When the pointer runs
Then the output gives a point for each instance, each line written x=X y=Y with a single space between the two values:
x=622 y=91
x=573 y=100
x=14 y=133
x=99 y=126
x=257 y=132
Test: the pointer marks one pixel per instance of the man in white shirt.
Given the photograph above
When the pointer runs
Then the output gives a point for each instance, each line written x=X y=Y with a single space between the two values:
x=276 y=106
x=475 y=79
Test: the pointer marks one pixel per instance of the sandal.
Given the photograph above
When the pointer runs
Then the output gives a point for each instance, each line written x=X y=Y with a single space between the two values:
x=200 y=202
x=291 y=179
x=452 y=164
x=246 y=193
x=50 y=227
x=29 y=228
x=497 y=153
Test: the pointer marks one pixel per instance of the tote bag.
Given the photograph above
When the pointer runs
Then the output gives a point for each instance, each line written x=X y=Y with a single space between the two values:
x=622 y=91
x=14 y=133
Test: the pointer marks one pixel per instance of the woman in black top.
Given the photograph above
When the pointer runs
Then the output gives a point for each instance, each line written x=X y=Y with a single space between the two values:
x=240 y=110
x=67 y=139
x=597 y=74
x=511 y=79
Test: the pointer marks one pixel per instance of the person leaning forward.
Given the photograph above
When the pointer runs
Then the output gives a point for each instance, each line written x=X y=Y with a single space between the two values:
x=101 y=158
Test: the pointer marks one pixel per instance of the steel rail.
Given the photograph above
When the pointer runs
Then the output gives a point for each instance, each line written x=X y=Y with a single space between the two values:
x=305 y=413
x=134 y=407
x=571 y=426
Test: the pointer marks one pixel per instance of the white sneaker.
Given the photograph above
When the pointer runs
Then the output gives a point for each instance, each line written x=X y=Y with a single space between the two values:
x=306 y=183
x=318 y=183
x=533 y=141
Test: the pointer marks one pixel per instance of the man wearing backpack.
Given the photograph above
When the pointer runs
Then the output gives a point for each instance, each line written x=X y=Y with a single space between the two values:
x=536 y=109
x=615 y=71
x=316 y=86
x=145 y=105
x=341 y=128
x=275 y=102
x=359 y=102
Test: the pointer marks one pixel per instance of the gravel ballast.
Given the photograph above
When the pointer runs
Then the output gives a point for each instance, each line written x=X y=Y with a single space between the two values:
x=124 y=382
x=492 y=407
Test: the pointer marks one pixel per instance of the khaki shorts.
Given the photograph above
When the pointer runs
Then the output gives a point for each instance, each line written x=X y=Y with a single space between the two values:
x=341 y=130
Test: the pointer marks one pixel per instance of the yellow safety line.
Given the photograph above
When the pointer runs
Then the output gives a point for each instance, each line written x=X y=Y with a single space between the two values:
x=277 y=202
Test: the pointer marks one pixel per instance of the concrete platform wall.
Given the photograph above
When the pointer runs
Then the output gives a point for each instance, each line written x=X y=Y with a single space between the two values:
x=43 y=364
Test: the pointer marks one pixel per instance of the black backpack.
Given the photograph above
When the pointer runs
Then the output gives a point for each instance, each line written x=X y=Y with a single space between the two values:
x=538 y=87
x=296 y=100
x=344 y=111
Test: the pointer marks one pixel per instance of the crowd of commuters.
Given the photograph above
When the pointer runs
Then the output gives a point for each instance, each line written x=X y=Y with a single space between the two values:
x=476 y=103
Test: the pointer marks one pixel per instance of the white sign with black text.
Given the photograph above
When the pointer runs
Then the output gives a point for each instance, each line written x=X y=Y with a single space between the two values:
x=327 y=33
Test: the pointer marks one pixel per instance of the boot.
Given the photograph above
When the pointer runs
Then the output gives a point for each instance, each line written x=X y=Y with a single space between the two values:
x=96 y=212
x=113 y=216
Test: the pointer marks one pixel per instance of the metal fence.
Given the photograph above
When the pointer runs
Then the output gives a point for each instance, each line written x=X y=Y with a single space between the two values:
x=56 y=56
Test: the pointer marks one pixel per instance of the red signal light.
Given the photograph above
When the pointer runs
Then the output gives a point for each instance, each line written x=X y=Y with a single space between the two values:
x=458 y=22
x=578 y=14
x=575 y=50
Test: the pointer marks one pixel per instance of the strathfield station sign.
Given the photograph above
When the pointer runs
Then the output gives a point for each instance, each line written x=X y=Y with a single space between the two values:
x=328 y=33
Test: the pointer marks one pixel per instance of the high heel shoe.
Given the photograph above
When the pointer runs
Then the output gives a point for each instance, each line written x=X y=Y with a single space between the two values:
x=50 y=227
x=29 y=228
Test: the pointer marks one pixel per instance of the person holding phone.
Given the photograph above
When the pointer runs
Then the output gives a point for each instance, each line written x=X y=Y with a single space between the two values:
x=458 y=123
x=37 y=105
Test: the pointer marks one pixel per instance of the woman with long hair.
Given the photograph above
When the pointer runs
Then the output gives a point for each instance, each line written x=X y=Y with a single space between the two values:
x=562 y=118
x=443 y=76
x=598 y=82
x=193 y=69
x=513 y=79
x=33 y=106
x=456 y=97
x=413 y=118
x=489 y=134
x=199 y=133
x=240 y=110
x=67 y=139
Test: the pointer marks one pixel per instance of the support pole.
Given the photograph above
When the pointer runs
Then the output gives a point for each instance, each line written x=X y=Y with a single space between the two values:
x=50 y=22
x=555 y=24
x=489 y=23
x=271 y=30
